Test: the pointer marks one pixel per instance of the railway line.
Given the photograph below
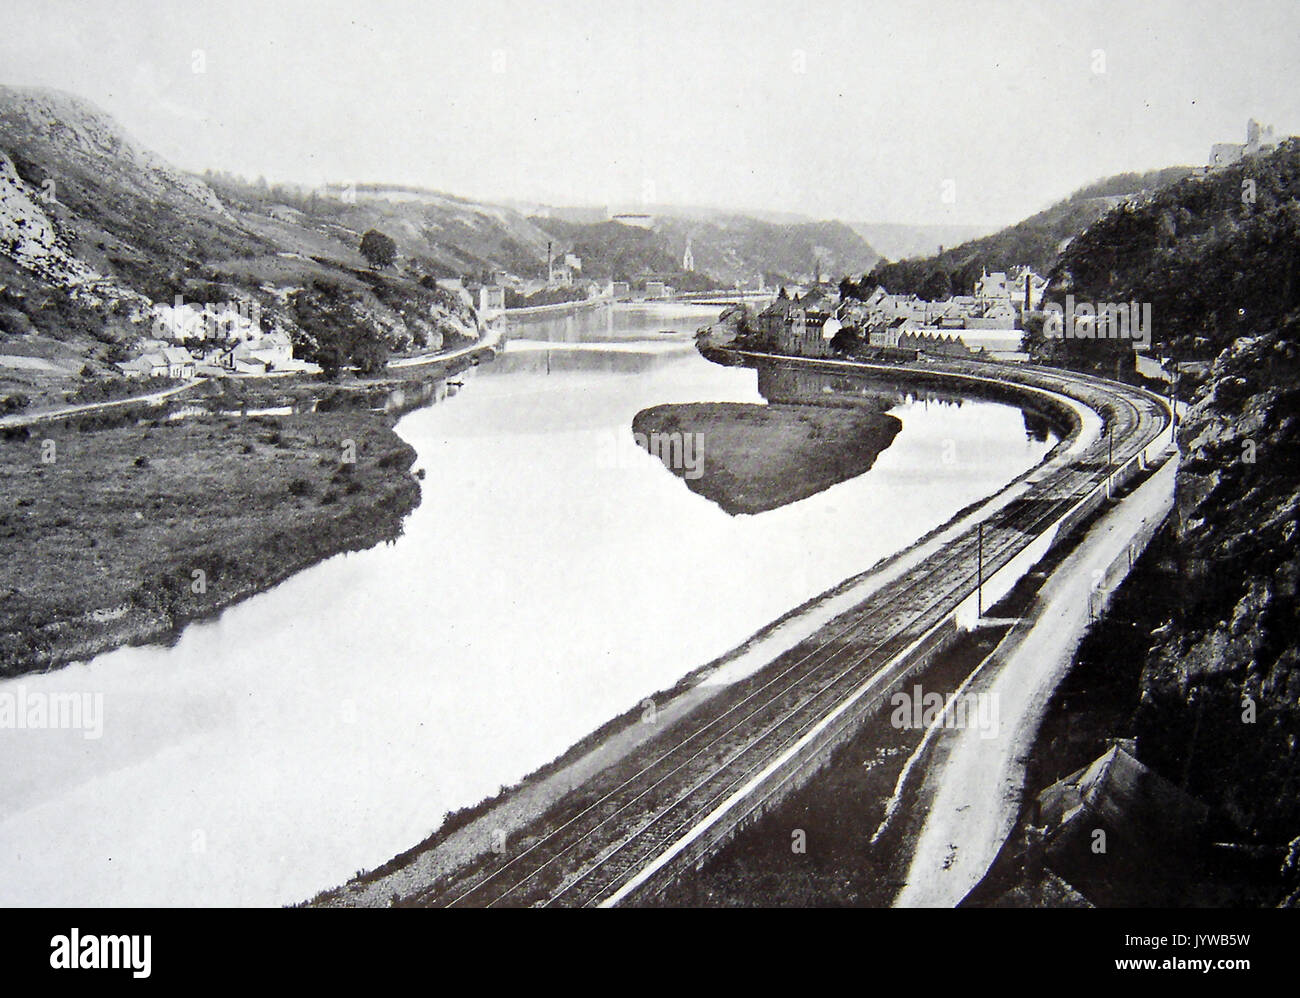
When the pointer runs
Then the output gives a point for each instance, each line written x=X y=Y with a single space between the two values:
x=611 y=836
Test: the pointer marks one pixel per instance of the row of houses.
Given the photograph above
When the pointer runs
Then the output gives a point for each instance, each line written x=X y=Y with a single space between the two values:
x=999 y=302
x=271 y=352
x=806 y=326
x=490 y=298
x=189 y=322
x=167 y=362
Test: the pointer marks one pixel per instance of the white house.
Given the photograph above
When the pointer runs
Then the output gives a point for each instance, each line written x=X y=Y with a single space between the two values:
x=266 y=353
x=169 y=362
x=180 y=363
x=491 y=299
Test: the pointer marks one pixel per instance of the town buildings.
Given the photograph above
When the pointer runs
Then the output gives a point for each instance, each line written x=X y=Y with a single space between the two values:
x=802 y=326
x=901 y=323
x=491 y=299
x=168 y=362
x=998 y=302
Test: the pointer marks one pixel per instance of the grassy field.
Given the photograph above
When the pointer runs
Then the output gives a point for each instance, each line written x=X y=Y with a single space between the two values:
x=760 y=457
x=122 y=534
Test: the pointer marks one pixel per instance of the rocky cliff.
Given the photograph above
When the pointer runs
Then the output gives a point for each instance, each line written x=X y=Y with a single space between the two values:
x=1220 y=690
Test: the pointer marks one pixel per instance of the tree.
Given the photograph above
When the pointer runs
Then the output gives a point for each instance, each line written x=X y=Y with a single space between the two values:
x=937 y=285
x=846 y=340
x=368 y=352
x=378 y=249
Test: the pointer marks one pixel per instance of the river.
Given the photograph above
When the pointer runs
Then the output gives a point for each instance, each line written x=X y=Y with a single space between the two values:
x=552 y=576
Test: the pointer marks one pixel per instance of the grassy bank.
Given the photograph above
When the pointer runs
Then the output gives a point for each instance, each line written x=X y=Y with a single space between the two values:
x=122 y=533
x=754 y=458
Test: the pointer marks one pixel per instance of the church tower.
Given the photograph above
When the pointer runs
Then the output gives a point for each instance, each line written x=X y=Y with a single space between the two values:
x=688 y=258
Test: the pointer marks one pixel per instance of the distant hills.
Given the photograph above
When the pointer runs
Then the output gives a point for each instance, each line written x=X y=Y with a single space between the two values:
x=602 y=213
x=1036 y=242
x=725 y=249
x=95 y=229
x=902 y=242
x=735 y=247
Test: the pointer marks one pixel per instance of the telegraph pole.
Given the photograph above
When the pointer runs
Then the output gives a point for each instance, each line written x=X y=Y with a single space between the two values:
x=1110 y=458
x=979 y=575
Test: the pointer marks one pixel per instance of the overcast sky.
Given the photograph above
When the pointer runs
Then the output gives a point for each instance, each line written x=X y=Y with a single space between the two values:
x=852 y=110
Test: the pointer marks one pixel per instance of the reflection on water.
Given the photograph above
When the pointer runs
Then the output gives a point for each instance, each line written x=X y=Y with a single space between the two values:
x=553 y=575
x=534 y=357
x=614 y=323
x=800 y=384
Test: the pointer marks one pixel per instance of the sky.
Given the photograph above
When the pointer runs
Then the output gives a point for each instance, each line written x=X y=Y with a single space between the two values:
x=949 y=111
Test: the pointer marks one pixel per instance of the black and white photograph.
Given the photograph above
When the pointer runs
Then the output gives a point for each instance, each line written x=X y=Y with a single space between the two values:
x=626 y=454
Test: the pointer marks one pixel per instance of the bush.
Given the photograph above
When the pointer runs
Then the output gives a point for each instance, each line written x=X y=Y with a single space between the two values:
x=378 y=249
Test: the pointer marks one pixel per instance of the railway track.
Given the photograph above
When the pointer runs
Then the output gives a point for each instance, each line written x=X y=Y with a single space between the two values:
x=605 y=832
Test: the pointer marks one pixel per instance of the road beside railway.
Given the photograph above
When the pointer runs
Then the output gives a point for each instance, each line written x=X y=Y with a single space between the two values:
x=973 y=784
x=683 y=788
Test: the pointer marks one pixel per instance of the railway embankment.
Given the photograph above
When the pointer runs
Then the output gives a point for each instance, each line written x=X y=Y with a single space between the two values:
x=644 y=800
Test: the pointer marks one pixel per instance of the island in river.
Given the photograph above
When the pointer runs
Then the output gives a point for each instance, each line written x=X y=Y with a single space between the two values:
x=754 y=458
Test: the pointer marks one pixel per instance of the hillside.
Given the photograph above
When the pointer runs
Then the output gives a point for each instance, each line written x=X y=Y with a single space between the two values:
x=613 y=251
x=1036 y=241
x=1215 y=260
x=726 y=248
x=97 y=234
x=1236 y=634
x=904 y=242
x=439 y=234
x=1210 y=631
x=88 y=213
x=738 y=247
x=1227 y=276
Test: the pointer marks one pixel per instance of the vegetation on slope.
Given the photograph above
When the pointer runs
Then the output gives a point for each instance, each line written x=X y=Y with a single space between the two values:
x=1217 y=257
x=725 y=248
x=1216 y=707
x=1035 y=242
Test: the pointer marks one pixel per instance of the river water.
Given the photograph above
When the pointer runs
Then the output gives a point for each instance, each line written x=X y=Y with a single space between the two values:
x=552 y=576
